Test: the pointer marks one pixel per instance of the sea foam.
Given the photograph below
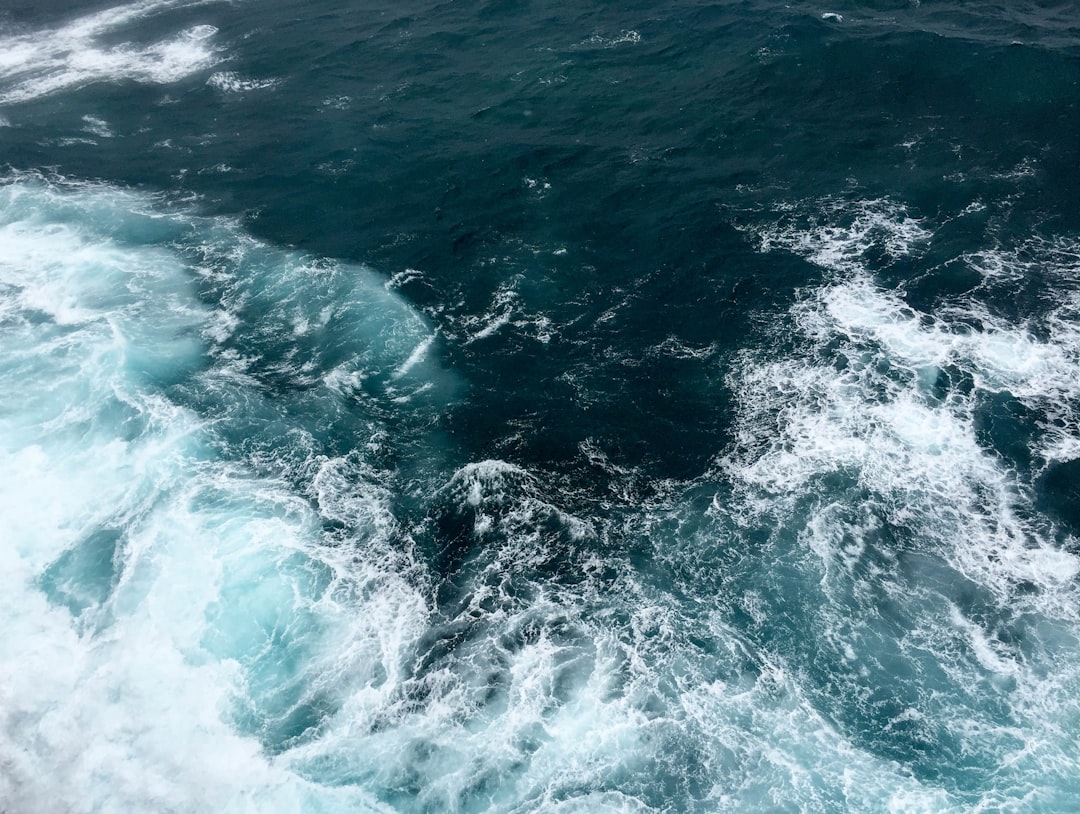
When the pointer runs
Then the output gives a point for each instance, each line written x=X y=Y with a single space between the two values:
x=173 y=619
x=863 y=454
x=39 y=63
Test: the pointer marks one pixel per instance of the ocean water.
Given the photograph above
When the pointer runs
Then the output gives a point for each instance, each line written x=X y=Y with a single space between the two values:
x=522 y=406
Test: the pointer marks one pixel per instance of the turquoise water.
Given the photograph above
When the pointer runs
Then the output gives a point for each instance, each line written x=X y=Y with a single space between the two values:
x=521 y=407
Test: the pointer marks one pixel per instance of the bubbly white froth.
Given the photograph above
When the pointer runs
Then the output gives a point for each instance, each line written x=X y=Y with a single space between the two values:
x=146 y=577
x=864 y=400
x=40 y=63
x=195 y=622
x=865 y=446
x=230 y=82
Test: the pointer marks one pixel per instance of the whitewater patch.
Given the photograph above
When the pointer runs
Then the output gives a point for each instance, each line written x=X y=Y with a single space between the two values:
x=507 y=309
x=231 y=82
x=839 y=234
x=40 y=63
x=175 y=621
x=599 y=40
x=889 y=459
x=212 y=602
x=556 y=679
x=97 y=126
x=894 y=395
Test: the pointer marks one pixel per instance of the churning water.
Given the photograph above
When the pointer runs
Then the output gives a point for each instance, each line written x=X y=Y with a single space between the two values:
x=533 y=407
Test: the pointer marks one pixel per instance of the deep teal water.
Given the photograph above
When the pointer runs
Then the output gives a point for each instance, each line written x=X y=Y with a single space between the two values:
x=512 y=407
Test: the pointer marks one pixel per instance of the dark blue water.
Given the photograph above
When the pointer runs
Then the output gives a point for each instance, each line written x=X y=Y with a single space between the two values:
x=536 y=407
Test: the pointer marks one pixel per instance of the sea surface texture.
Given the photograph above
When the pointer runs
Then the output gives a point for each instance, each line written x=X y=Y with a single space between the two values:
x=518 y=406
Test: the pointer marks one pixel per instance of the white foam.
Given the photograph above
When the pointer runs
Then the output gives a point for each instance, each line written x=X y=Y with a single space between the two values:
x=243 y=657
x=624 y=37
x=862 y=402
x=920 y=460
x=507 y=309
x=582 y=696
x=674 y=348
x=1000 y=356
x=97 y=126
x=403 y=277
x=862 y=448
x=498 y=315
x=417 y=355
x=988 y=652
x=336 y=103
x=146 y=673
x=135 y=717
x=49 y=61
x=839 y=236
x=349 y=330
x=231 y=82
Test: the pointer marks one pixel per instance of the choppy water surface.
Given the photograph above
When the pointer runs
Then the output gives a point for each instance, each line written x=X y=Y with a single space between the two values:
x=536 y=407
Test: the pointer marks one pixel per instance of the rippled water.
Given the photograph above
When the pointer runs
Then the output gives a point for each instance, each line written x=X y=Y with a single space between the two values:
x=523 y=407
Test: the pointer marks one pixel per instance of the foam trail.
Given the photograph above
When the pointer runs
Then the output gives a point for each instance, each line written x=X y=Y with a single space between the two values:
x=41 y=63
x=419 y=352
x=174 y=624
x=230 y=82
